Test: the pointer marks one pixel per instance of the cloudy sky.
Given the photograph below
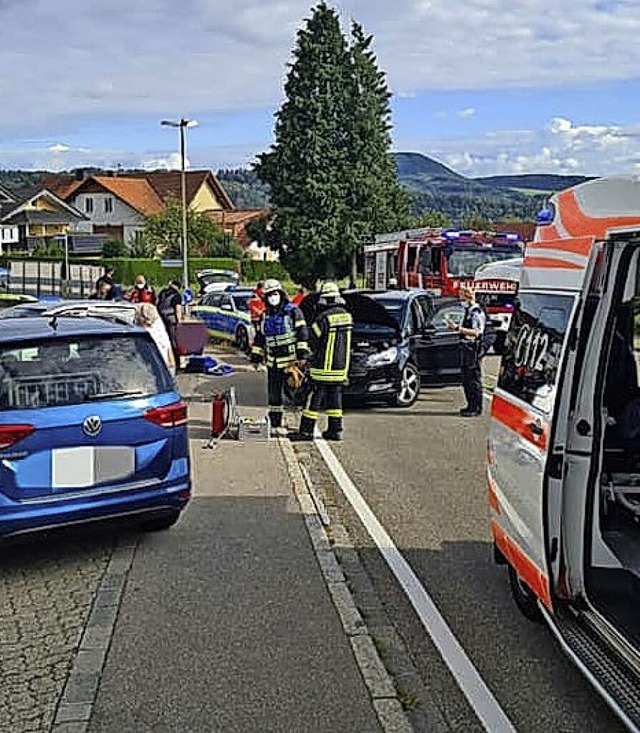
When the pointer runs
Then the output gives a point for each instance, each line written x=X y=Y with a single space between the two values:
x=485 y=86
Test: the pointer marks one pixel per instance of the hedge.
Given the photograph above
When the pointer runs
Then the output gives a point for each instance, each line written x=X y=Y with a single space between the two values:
x=250 y=271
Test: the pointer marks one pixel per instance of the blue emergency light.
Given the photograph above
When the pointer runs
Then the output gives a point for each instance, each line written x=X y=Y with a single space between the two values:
x=546 y=215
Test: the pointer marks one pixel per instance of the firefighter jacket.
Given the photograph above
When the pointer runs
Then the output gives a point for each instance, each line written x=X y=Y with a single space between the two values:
x=282 y=337
x=331 y=345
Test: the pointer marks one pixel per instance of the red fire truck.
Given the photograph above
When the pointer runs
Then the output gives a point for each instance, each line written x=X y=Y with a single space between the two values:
x=434 y=259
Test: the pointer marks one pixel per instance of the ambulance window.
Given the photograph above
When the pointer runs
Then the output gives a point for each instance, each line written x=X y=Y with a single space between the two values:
x=533 y=348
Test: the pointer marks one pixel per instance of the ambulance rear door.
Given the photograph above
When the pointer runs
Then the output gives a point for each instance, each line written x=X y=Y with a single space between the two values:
x=527 y=439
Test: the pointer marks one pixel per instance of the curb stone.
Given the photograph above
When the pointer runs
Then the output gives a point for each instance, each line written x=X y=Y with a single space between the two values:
x=76 y=703
x=386 y=703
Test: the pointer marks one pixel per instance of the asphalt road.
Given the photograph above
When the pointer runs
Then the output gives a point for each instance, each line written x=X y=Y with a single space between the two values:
x=422 y=473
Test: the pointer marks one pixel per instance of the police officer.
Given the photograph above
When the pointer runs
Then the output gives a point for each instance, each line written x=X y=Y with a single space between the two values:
x=281 y=340
x=471 y=331
x=329 y=364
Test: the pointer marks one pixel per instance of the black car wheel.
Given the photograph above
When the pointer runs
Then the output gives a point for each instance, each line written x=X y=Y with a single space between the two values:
x=524 y=597
x=242 y=338
x=159 y=524
x=409 y=387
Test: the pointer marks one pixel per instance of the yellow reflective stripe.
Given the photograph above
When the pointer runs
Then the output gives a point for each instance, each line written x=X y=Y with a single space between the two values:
x=321 y=377
x=328 y=355
x=214 y=309
x=339 y=319
x=303 y=346
x=334 y=413
x=311 y=415
x=316 y=329
x=329 y=372
x=257 y=350
x=220 y=334
x=300 y=324
x=283 y=340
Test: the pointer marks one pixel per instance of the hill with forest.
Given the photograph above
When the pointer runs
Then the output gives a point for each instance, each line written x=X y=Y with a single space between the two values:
x=431 y=185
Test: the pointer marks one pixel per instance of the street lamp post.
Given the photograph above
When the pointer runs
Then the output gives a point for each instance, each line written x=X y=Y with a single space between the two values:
x=182 y=124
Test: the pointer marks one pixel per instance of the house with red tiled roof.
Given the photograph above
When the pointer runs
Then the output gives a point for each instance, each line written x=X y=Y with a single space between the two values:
x=235 y=223
x=117 y=204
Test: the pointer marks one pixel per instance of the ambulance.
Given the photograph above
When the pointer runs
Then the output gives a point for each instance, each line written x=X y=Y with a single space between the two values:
x=564 y=442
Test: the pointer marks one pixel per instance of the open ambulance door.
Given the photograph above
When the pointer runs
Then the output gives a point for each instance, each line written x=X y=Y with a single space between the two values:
x=524 y=449
x=593 y=541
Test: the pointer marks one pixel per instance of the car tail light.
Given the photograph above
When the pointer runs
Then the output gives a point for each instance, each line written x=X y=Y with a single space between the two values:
x=170 y=416
x=11 y=434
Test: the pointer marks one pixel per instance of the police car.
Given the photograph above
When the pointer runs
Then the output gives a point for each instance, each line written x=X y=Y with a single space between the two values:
x=226 y=315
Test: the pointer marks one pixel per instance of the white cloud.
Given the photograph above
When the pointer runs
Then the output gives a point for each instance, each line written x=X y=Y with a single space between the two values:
x=169 y=162
x=115 y=57
x=560 y=147
x=59 y=148
x=467 y=112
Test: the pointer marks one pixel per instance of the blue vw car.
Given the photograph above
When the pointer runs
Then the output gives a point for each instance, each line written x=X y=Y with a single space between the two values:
x=91 y=426
x=226 y=315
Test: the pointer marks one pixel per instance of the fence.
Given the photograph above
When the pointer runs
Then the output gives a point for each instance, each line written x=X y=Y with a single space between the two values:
x=38 y=278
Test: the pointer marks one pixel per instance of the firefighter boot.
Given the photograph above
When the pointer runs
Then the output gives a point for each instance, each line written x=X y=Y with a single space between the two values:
x=305 y=432
x=334 y=431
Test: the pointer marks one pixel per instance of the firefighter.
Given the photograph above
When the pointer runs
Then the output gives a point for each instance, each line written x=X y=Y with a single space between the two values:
x=329 y=364
x=471 y=331
x=281 y=340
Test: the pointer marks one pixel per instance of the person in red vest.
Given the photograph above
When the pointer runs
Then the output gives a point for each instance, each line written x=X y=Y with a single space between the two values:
x=141 y=292
x=256 y=304
x=299 y=296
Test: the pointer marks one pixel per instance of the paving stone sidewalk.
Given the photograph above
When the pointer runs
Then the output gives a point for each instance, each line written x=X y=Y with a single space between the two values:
x=226 y=624
x=46 y=591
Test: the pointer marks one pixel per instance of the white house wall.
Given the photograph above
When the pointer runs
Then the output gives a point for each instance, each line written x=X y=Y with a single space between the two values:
x=121 y=214
x=8 y=235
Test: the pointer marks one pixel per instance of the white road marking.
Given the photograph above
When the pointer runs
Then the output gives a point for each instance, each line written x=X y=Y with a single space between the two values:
x=474 y=688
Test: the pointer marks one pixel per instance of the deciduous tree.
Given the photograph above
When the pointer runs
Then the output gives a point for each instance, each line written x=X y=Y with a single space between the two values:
x=163 y=235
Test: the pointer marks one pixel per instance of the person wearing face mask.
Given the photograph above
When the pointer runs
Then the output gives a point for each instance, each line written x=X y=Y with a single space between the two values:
x=141 y=292
x=281 y=340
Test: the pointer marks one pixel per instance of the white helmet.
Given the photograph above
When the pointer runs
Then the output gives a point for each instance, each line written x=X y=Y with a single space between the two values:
x=330 y=294
x=272 y=285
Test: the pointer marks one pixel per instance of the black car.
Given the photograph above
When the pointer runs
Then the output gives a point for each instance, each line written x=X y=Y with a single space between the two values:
x=400 y=342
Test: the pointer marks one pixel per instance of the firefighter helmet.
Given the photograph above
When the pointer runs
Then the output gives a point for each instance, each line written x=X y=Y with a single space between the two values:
x=271 y=286
x=330 y=294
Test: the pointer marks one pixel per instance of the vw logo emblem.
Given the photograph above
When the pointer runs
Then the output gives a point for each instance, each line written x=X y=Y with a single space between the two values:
x=91 y=426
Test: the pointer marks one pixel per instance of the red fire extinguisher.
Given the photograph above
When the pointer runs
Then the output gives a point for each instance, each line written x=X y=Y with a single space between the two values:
x=219 y=414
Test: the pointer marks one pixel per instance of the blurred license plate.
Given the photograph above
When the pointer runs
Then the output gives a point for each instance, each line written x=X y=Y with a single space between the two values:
x=86 y=466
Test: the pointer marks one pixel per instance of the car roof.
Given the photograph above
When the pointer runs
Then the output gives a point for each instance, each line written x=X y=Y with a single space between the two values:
x=37 y=327
x=394 y=294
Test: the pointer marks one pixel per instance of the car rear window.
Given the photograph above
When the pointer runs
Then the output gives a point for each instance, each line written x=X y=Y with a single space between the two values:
x=395 y=307
x=69 y=371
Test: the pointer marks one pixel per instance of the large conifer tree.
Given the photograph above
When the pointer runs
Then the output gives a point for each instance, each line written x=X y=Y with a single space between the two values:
x=331 y=177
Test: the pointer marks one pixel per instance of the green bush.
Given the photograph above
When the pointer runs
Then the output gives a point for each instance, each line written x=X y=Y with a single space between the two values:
x=254 y=270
